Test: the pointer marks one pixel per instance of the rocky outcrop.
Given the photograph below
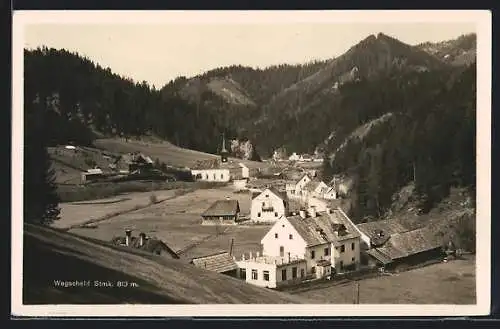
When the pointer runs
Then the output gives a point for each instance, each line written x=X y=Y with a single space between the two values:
x=244 y=149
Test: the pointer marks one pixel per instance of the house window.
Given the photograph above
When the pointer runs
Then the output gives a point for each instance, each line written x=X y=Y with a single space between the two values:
x=266 y=275
x=294 y=272
x=313 y=269
x=341 y=265
x=290 y=236
x=214 y=177
x=283 y=275
x=353 y=259
x=342 y=248
x=258 y=214
x=282 y=251
x=327 y=251
x=267 y=195
x=206 y=176
x=243 y=273
x=275 y=214
x=254 y=275
x=221 y=176
x=312 y=254
x=263 y=204
x=275 y=235
x=302 y=273
x=352 y=246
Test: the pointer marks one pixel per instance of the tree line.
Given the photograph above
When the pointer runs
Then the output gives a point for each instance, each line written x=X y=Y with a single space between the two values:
x=429 y=141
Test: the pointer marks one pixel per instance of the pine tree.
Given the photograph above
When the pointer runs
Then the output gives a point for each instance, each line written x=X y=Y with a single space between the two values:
x=40 y=200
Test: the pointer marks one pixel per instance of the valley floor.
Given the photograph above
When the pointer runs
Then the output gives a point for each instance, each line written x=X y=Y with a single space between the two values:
x=444 y=283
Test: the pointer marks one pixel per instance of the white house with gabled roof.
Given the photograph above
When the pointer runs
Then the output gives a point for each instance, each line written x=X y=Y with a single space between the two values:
x=297 y=189
x=326 y=240
x=268 y=206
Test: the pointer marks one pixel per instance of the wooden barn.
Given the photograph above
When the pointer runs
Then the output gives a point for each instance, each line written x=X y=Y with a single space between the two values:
x=222 y=212
x=406 y=249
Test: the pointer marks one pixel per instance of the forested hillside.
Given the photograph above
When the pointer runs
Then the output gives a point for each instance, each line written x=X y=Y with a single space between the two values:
x=334 y=105
x=79 y=98
x=429 y=139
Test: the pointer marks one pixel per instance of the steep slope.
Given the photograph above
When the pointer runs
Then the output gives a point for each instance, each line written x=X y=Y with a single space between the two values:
x=51 y=255
x=312 y=107
x=457 y=52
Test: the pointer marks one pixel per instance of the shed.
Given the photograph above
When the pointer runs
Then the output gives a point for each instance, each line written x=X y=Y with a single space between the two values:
x=221 y=262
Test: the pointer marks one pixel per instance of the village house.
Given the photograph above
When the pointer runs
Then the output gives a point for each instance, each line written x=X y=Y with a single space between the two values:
x=296 y=190
x=146 y=243
x=268 y=205
x=221 y=262
x=222 y=212
x=310 y=245
x=315 y=188
x=324 y=239
x=390 y=245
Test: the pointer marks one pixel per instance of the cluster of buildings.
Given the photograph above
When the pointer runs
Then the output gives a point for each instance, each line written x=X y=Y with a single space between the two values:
x=313 y=241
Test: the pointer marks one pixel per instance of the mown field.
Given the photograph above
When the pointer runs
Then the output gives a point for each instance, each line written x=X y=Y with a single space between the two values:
x=177 y=221
x=444 y=283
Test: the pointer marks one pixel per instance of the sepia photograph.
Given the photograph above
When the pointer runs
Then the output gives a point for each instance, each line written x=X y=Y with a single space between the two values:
x=251 y=163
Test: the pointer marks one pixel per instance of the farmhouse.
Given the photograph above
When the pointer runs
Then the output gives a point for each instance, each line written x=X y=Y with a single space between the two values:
x=311 y=245
x=315 y=188
x=222 y=212
x=145 y=243
x=296 y=190
x=319 y=238
x=268 y=206
x=221 y=262
x=391 y=245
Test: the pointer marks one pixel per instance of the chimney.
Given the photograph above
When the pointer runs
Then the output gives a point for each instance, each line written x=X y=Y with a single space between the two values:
x=128 y=235
x=142 y=239
x=302 y=213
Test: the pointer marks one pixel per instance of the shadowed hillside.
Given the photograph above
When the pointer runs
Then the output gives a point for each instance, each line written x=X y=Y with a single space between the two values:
x=53 y=255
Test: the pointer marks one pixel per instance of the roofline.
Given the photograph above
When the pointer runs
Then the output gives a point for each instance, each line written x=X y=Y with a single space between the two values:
x=210 y=255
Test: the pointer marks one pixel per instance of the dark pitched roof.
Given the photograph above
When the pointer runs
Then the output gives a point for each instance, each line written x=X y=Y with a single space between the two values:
x=207 y=164
x=388 y=227
x=408 y=243
x=151 y=245
x=223 y=208
x=220 y=263
x=274 y=190
x=324 y=227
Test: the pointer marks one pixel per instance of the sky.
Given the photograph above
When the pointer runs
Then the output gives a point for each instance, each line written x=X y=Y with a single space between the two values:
x=158 y=52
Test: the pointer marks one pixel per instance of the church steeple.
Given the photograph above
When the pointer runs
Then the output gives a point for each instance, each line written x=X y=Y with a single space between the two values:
x=223 y=152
